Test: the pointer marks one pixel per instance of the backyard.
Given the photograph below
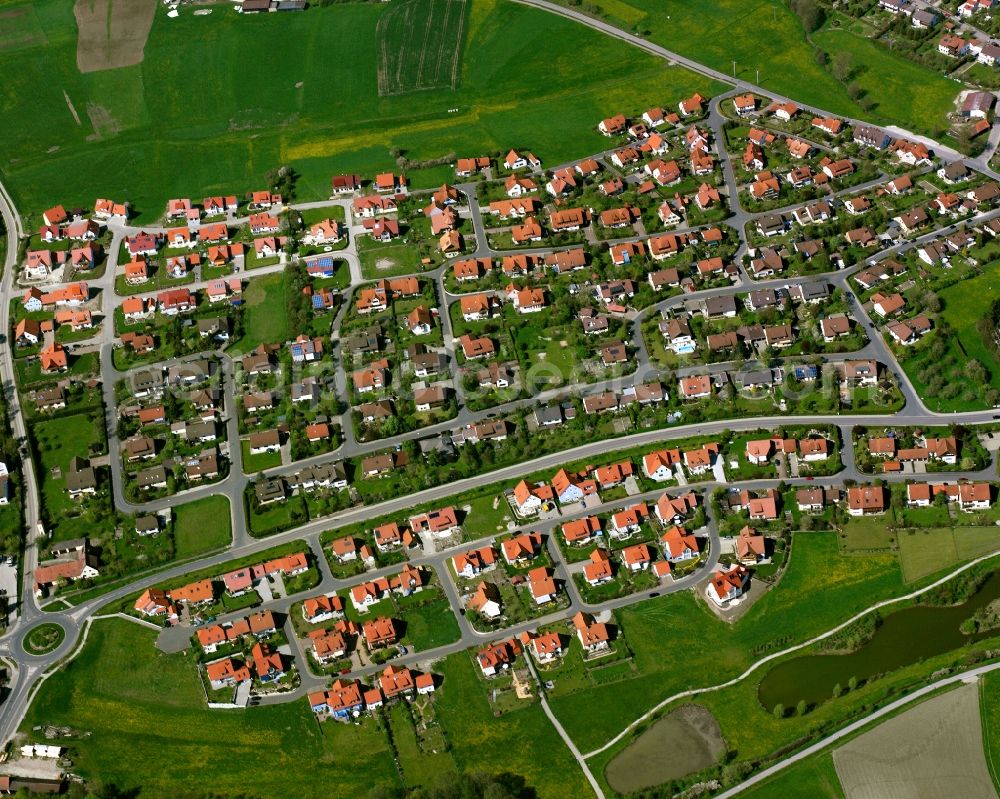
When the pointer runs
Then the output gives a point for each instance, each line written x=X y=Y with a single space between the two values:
x=57 y=442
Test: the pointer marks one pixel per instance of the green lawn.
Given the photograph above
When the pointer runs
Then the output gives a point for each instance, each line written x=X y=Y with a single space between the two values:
x=769 y=46
x=888 y=80
x=314 y=101
x=124 y=696
x=201 y=526
x=266 y=319
x=867 y=533
x=924 y=552
x=813 y=778
x=521 y=741
x=386 y=260
x=273 y=516
x=430 y=625
x=57 y=442
x=255 y=463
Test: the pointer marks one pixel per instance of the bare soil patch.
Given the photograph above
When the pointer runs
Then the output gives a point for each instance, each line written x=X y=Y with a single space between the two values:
x=683 y=742
x=934 y=751
x=111 y=33
x=103 y=123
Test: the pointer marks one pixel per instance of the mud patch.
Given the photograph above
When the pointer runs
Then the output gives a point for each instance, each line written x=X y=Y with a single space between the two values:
x=111 y=33
x=685 y=741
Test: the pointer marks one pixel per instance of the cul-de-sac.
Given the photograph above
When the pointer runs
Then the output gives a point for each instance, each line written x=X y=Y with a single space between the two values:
x=500 y=399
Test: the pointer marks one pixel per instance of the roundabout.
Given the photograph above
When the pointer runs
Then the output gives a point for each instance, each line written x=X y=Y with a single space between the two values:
x=43 y=639
x=46 y=640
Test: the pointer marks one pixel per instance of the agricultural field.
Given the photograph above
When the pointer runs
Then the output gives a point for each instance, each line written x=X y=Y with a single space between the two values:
x=314 y=103
x=111 y=34
x=989 y=709
x=420 y=46
x=693 y=738
x=926 y=751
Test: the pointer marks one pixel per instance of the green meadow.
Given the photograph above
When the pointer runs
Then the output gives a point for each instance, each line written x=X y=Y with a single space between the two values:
x=764 y=43
x=301 y=89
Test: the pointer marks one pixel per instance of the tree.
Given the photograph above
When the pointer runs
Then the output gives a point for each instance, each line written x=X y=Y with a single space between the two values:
x=810 y=14
x=779 y=711
x=852 y=683
x=842 y=66
x=837 y=690
x=801 y=707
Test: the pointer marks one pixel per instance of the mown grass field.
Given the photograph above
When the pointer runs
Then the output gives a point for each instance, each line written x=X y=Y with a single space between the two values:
x=265 y=320
x=924 y=552
x=679 y=643
x=132 y=699
x=201 y=526
x=766 y=35
x=813 y=778
x=299 y=89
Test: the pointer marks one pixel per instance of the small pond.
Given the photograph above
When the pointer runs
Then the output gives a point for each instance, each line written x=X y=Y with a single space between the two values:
x=904 y=637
